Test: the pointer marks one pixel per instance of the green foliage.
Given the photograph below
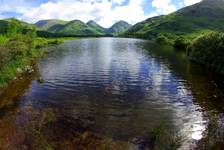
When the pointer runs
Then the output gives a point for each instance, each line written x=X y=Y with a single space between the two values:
x=208 y=50
x=181 y=43
x=161 y=39
x=3 y=39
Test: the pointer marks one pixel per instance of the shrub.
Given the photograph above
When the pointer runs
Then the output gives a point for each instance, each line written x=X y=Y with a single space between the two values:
x=161 y=39
x=17 y=48
x=181 y=43
x=208 y=50
x=3 y=40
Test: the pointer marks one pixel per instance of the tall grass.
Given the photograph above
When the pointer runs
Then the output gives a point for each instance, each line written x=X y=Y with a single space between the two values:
x=3 y=39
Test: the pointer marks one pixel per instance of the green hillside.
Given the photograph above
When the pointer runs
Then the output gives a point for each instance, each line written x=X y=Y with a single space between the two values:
x=13 y=26
x=190 y=21
x=118 y=28
x=50 y=25
x=96 y=27
x=77 y=27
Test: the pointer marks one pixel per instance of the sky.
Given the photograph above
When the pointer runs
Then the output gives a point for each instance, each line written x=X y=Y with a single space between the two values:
x=104 y=12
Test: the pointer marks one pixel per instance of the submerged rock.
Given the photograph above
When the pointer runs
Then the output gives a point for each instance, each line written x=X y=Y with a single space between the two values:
x=28 y=69
x=146 y=142
x=40 y=80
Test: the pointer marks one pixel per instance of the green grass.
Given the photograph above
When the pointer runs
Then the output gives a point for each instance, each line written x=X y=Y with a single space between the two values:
x=3 y=39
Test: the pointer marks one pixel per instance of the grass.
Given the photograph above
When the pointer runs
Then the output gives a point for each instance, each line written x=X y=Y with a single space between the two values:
x=3 y=39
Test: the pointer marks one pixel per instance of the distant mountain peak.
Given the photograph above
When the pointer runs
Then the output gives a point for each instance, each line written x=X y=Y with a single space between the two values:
x=119 y=27
x=91 y=22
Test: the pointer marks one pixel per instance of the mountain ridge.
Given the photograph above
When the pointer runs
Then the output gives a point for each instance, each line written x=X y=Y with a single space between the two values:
x=207 y=15
x=77 y=27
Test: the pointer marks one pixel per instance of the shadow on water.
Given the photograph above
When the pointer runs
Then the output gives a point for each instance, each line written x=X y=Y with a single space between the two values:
x=203 y=84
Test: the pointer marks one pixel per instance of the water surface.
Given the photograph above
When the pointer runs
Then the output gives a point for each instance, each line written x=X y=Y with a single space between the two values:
x=123 y=88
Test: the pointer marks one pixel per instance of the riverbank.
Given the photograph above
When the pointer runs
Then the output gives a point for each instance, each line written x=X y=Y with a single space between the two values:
x=204 y=48
x=18 y=55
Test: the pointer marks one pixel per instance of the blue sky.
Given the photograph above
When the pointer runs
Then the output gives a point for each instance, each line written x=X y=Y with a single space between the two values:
x=105 y=12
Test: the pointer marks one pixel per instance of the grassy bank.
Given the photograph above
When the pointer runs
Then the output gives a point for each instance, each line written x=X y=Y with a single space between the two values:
x=17 y=54
x=203 y=47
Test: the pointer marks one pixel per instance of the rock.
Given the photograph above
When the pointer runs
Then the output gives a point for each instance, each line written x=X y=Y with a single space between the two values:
x=28 y=69
x=40 y=80
x=19 y=70
x=146 y=142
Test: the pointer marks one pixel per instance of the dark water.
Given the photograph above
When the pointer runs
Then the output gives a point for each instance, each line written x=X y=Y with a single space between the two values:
x=125 y=88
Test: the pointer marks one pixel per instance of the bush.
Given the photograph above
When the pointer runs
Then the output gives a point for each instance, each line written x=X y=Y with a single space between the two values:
x=181 y=43
x=161 y=39
x=208 y=50
x=3 y=40
x=17 y=48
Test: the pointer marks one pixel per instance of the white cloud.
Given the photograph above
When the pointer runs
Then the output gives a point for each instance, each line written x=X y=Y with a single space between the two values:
x=103 y=11
x=118 y=1
x=163 y=6
x=191 y=2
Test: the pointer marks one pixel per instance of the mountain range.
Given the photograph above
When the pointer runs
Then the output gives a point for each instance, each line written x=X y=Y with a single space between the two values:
x=79 y=28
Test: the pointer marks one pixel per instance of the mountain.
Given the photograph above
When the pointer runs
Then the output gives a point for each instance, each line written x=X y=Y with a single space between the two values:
x=199 y=18
x=96 y=26
x=118 y=28
x=12 y=25
x=50 y=25
x=79 y=28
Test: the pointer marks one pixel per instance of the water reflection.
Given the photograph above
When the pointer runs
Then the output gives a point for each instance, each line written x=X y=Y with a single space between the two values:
x=126 y=88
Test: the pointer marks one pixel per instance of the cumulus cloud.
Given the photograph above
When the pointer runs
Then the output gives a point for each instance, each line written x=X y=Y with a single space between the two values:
x=191 y=2
x=101 y=11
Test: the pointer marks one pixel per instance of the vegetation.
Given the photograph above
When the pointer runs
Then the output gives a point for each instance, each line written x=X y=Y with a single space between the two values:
x=208 y=50
x=181 y=43
x=18 y=47
x=17 y=54
x=162 y=39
